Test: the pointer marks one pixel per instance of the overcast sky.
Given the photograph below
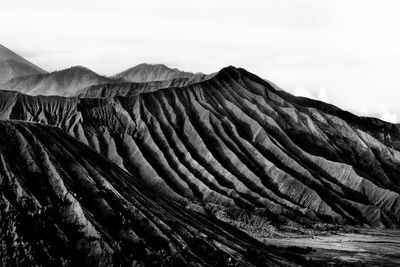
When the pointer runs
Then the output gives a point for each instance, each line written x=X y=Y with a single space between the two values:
x=344 y=52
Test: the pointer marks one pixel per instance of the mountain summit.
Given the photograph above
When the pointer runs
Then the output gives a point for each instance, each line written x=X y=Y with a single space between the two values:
x=13 y=65
x=148 y=72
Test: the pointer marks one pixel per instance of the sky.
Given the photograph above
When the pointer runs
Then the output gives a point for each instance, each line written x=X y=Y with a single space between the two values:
x=345 y=52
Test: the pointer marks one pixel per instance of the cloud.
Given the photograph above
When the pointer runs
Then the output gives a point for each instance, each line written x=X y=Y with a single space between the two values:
x=320 y=95
x=323 y=96
x=302 y=91
x=382 y=112
x=387 y=115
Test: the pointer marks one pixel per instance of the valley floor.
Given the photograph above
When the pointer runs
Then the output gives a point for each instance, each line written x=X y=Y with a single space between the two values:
x=365 y=247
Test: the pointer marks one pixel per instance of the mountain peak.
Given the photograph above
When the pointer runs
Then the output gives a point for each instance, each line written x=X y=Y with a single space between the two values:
x=13 y=65
x=236 y=72
x=145 y=72
x=77 y=69
x=229 y=69
x=7 y=54
x=143 y=65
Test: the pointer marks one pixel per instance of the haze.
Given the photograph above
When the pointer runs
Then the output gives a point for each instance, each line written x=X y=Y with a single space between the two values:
x=343 y=52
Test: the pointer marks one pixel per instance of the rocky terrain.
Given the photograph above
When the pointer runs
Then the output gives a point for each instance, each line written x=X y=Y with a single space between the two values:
x=62 y=204
x=247 y=153
x=13 y=65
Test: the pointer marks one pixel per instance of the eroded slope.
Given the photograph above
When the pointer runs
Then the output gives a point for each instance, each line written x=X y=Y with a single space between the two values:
x=63 y=204
x=247 y=153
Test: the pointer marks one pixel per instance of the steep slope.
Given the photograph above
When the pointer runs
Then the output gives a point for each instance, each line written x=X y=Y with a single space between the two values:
x=133 y=89
x=62 y=204
x=65 y=82
x=148 y=73
x=387 y=133
x=13 y=65
x=249 y=154
x=6 y=53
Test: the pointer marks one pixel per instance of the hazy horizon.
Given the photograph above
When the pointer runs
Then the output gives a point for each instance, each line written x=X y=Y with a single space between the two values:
x=342 y=52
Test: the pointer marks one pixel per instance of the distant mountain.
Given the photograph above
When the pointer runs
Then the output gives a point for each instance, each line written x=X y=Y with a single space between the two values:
x=12 y=65
x=63 y=204
x=77 y=79
x=149 y=72
x=65 y=82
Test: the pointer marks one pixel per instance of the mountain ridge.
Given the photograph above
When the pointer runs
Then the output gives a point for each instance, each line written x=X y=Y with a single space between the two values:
x=64 y=82
x=73 y=80
x=229 y=146
x=63 y=204
x=145 y=72
x=233 y=142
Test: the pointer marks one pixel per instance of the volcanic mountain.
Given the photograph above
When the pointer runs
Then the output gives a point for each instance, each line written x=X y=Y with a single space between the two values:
x=65 y=82
x=74 y=80
x=157 y=72
x=248 y=154
x=63 y=204
x=13 y=65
